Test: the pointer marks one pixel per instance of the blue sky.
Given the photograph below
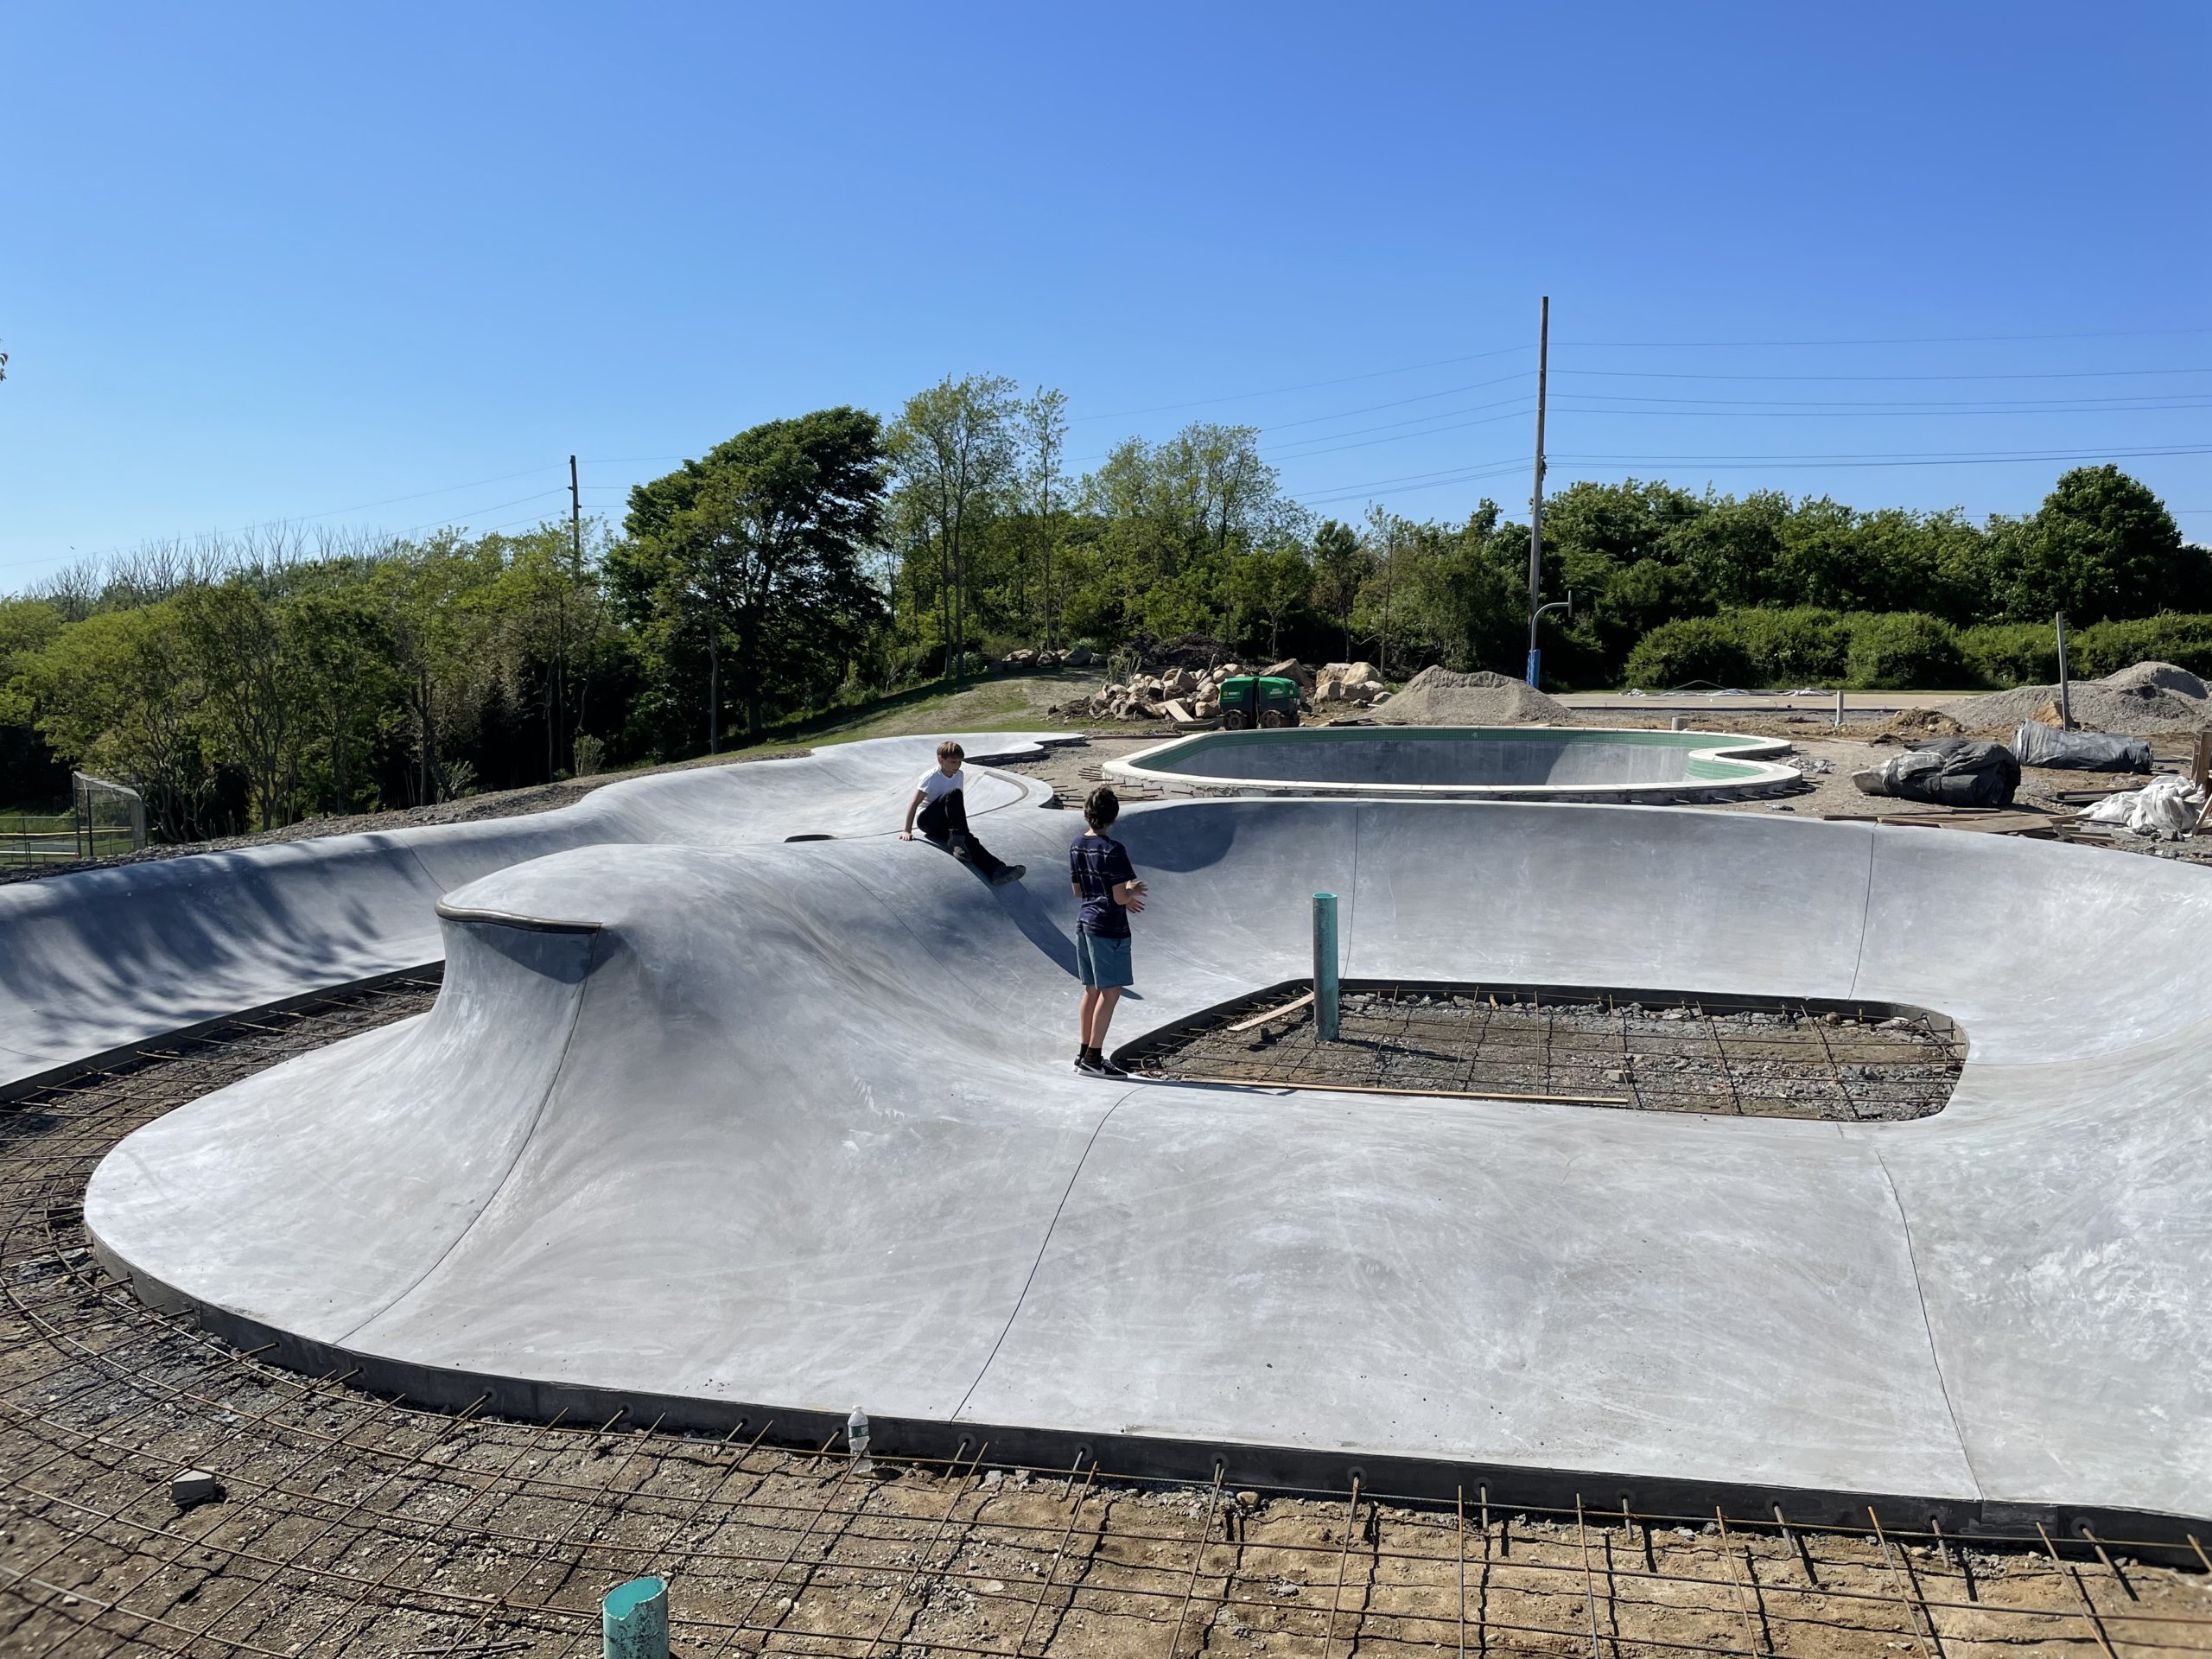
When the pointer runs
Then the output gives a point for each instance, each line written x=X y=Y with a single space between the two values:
x=390 y=265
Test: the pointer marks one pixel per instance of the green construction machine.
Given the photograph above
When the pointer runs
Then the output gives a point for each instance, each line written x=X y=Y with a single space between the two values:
x=1249 y=700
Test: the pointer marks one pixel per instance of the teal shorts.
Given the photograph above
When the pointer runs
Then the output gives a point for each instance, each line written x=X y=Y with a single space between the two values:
x=1101 y=962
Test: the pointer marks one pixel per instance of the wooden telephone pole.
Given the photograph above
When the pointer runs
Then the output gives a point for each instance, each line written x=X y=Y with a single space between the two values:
x=1537 y=500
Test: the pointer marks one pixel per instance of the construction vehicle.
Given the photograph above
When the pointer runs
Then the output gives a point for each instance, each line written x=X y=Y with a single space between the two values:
x=1249 y=700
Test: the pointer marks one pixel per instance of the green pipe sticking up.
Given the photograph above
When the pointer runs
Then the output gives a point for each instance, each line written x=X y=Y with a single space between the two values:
x=1324 y=965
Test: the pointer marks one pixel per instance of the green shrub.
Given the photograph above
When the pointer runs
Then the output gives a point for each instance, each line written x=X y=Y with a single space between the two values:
x=1692 y=649
x=1896 y=650
x=2107 y=647
x=1803 y=646
x=2010 y=653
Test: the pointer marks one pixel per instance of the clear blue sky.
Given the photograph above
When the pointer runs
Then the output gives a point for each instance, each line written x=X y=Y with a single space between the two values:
x=292 y=262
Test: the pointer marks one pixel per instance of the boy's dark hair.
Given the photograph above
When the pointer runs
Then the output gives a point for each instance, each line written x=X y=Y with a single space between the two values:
x=1101 y=809
x=951 y=748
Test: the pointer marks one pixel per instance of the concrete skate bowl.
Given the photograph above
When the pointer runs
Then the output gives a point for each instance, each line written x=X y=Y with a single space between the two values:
x=770 y=1132
x=1542 y=763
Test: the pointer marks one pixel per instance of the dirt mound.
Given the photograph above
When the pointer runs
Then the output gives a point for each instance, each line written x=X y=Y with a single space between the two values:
x=2144 y=677
x=2138 y=700
x=1437 y=697
x=1911 y=725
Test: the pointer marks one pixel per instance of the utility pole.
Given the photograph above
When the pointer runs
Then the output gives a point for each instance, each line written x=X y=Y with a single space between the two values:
x=576 y=520
x=1537 y=500
x=557 y=713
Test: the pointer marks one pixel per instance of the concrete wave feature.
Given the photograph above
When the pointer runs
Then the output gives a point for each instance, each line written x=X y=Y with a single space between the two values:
x=97 y=961
x=777 y=1130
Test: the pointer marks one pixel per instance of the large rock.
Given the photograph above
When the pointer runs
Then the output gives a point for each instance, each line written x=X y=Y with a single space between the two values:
x=1291 y=669
x=1345 y=674
x=1178 y=682
x=1081 y=657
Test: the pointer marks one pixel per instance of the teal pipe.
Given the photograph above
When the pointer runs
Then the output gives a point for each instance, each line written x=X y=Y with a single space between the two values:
x=634 y=1620
x=1324 y=965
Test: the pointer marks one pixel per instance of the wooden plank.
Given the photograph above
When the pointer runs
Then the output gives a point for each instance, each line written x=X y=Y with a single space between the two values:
x=1414 y=1094
x=1291 y=1006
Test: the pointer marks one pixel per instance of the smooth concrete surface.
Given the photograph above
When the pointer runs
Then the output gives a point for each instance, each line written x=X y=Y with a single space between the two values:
x=1551 y=763
x=793 y=1127
x=94 y=962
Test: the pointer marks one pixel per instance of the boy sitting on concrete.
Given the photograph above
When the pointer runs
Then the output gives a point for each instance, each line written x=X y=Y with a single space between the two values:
x=1106 y=883
x=941 y=800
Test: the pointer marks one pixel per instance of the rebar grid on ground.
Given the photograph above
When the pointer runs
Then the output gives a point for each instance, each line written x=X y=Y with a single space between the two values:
x=1790 y=1059
x=352 y=1524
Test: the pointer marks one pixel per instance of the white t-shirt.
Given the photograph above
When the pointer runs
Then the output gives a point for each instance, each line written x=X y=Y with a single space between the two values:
x=935 y=783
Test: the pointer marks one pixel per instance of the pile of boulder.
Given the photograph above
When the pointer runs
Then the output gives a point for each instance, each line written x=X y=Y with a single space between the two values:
x=1079 y=657
x=1195 y=693
x=1356 y=683
x=1188 y=694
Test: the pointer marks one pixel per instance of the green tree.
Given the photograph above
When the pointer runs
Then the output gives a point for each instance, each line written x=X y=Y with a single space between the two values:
x=1172 y=518
x=1044 y=438
x=758 y=549
x=255 y=688
x=114 y=694
x=1342 y=563
x=348 y=665
x=953 y=455
x=435 y=600
x=1266 y=587
x=2100 y=545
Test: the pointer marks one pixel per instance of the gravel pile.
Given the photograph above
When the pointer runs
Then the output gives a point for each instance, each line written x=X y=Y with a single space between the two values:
x=2140 y=700
x=1437 y=697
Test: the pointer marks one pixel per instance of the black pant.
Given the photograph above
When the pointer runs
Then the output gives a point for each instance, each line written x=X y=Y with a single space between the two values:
x=946 y=819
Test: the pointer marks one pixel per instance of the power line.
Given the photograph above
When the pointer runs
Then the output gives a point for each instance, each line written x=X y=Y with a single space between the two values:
x=1901 y=340
x=1309 y=385
x=2069 y=374
x=1962 y=458
x=1521 y=406
x=1902 y=413
x=2148 y=399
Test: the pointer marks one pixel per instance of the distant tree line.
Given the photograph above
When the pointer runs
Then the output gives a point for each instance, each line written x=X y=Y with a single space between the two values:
x=833 y=559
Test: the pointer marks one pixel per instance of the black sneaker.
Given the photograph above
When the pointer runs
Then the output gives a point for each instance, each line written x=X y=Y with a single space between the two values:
x=1103 y=1067
x=1006 y=873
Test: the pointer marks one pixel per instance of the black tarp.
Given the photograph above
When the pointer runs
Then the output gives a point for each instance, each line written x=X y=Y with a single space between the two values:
x=2038 y=745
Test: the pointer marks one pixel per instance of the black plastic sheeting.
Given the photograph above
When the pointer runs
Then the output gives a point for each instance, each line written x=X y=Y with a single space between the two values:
x=1953 y=771
x=2038 y=745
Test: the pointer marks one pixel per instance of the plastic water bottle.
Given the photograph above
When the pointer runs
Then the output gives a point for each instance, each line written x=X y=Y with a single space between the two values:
x=856 y=1438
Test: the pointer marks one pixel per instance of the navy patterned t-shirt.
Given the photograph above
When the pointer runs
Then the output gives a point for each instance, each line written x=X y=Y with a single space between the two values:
x=1098 y=864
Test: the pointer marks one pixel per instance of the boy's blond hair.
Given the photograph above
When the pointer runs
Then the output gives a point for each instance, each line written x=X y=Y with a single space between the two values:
x=951 y=750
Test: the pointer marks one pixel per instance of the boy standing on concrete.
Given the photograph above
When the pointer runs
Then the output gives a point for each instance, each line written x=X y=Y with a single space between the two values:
x=942 y=800
x=1106 y=883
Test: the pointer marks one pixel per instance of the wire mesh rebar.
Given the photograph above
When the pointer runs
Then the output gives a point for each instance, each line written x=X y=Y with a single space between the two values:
x=1776 y=1058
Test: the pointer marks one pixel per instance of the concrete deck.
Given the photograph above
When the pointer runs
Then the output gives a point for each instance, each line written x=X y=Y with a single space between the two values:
x=773 y=1130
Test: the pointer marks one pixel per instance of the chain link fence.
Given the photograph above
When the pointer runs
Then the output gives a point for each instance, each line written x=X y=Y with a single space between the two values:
x=103 y=818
